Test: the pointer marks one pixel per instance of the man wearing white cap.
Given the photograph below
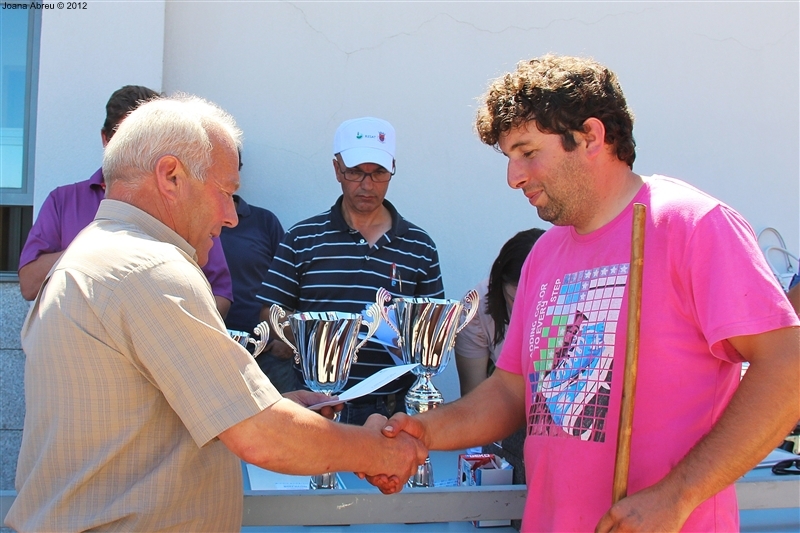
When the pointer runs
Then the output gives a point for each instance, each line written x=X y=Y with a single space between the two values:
x=337 y=260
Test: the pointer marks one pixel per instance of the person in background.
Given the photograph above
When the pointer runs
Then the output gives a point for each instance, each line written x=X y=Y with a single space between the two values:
x=479 y=344
x=70 y=208
x=481 y=340
x=337 y=260
x=566 y=130
x=249 y=248
x=140 y=407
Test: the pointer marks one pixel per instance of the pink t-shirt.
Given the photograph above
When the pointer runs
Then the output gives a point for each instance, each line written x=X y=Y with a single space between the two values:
x=704 y=281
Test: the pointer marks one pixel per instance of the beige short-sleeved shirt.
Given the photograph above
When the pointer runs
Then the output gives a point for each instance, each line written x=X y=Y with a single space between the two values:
x=129 y=377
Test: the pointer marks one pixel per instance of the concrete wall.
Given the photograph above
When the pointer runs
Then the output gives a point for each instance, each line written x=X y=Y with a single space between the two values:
x=86 y=56
x=714 y=87
x=12 y=365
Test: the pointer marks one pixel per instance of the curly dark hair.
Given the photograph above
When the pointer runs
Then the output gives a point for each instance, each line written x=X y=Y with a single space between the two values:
x=506 y=269
x=123 y=101
x=559 y=93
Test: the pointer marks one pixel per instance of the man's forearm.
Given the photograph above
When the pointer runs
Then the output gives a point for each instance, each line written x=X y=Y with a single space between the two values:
x=32 y=275
x=287 y=438
x=494 y=410
x=223 y=305
x=761 y=413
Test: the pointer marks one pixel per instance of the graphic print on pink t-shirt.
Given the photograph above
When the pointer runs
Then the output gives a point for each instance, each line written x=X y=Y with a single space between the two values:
x=574 y=338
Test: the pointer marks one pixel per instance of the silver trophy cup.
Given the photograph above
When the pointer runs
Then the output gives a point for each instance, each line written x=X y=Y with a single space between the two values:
x=426 y=331
x=326 y=346
x=244 y=338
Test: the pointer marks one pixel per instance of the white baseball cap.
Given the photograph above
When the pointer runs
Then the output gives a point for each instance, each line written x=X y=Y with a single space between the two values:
x=365 y=140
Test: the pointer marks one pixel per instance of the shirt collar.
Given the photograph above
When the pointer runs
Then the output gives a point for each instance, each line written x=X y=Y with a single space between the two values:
x=242 y=207
x=399 y=224
x=97 y=181
x=124 y=212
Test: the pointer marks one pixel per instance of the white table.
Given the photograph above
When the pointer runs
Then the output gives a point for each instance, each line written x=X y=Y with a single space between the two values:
x=285 y=502
x=767 y=503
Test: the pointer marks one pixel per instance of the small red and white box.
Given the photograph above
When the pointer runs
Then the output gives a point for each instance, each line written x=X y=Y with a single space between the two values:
x=484 y=469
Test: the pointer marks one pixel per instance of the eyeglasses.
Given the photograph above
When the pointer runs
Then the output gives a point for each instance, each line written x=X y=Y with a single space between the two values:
x=379 y=175
x=784 y=468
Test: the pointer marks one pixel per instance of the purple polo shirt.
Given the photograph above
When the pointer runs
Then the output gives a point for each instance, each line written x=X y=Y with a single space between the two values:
x=70 y=208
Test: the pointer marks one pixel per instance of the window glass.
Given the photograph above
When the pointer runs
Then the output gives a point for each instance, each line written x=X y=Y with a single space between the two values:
x=14 y=58
x=19 y=59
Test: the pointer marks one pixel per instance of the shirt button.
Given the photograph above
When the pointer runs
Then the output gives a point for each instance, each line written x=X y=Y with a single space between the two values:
x=363 y=241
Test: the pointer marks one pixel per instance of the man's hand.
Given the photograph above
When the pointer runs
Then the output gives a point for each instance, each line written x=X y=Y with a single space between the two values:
x=402 y=422
x=655 y=508
x=279 y=349
x=390 y=483
x=306 y=398
x=398 y=424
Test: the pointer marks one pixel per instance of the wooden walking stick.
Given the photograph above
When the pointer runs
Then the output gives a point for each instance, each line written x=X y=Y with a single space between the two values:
x=623 y=459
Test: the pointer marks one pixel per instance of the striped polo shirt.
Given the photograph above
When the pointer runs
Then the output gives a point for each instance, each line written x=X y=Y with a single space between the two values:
x=324 y=265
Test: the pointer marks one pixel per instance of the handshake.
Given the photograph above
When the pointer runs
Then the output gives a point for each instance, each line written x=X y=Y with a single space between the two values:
x=384 y=452
x=398 y=451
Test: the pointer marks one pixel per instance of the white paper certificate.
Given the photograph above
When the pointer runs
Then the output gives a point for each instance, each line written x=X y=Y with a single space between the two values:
x=371 y=384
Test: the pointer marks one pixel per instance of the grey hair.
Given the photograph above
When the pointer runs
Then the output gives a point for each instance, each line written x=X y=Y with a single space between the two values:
x=181 y=125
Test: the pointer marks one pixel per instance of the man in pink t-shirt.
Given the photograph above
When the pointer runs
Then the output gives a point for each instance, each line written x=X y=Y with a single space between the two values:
x=709 y=303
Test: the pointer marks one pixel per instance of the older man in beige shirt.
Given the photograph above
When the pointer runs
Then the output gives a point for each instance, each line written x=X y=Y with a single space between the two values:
x=122 y=432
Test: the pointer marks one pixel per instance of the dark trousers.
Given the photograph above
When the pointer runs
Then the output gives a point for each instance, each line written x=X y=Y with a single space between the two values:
x=280 y=372
x=285 y=378
x=357 y=412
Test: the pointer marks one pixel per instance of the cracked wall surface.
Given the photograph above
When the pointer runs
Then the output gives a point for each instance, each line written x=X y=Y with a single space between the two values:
x=705 y=80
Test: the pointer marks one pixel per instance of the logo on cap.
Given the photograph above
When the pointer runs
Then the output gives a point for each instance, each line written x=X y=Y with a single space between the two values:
x=358 y=135
x=381 y=136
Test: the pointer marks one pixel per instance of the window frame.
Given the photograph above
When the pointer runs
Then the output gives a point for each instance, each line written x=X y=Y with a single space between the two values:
x=17 y=203
x=23 y=196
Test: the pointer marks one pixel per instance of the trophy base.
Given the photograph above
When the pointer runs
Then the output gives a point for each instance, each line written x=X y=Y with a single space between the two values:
x=327 y=481
x=422 y=396
x=423 y=477
x=324 y=482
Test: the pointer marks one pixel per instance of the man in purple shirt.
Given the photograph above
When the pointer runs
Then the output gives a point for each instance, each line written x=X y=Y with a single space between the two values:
x=70 y=208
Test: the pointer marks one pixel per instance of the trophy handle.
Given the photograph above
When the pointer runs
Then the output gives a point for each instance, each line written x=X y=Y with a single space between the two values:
x=262 y=330
x=276 y=313
x=374 y=312
x=472 y=299
x=383 y=297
